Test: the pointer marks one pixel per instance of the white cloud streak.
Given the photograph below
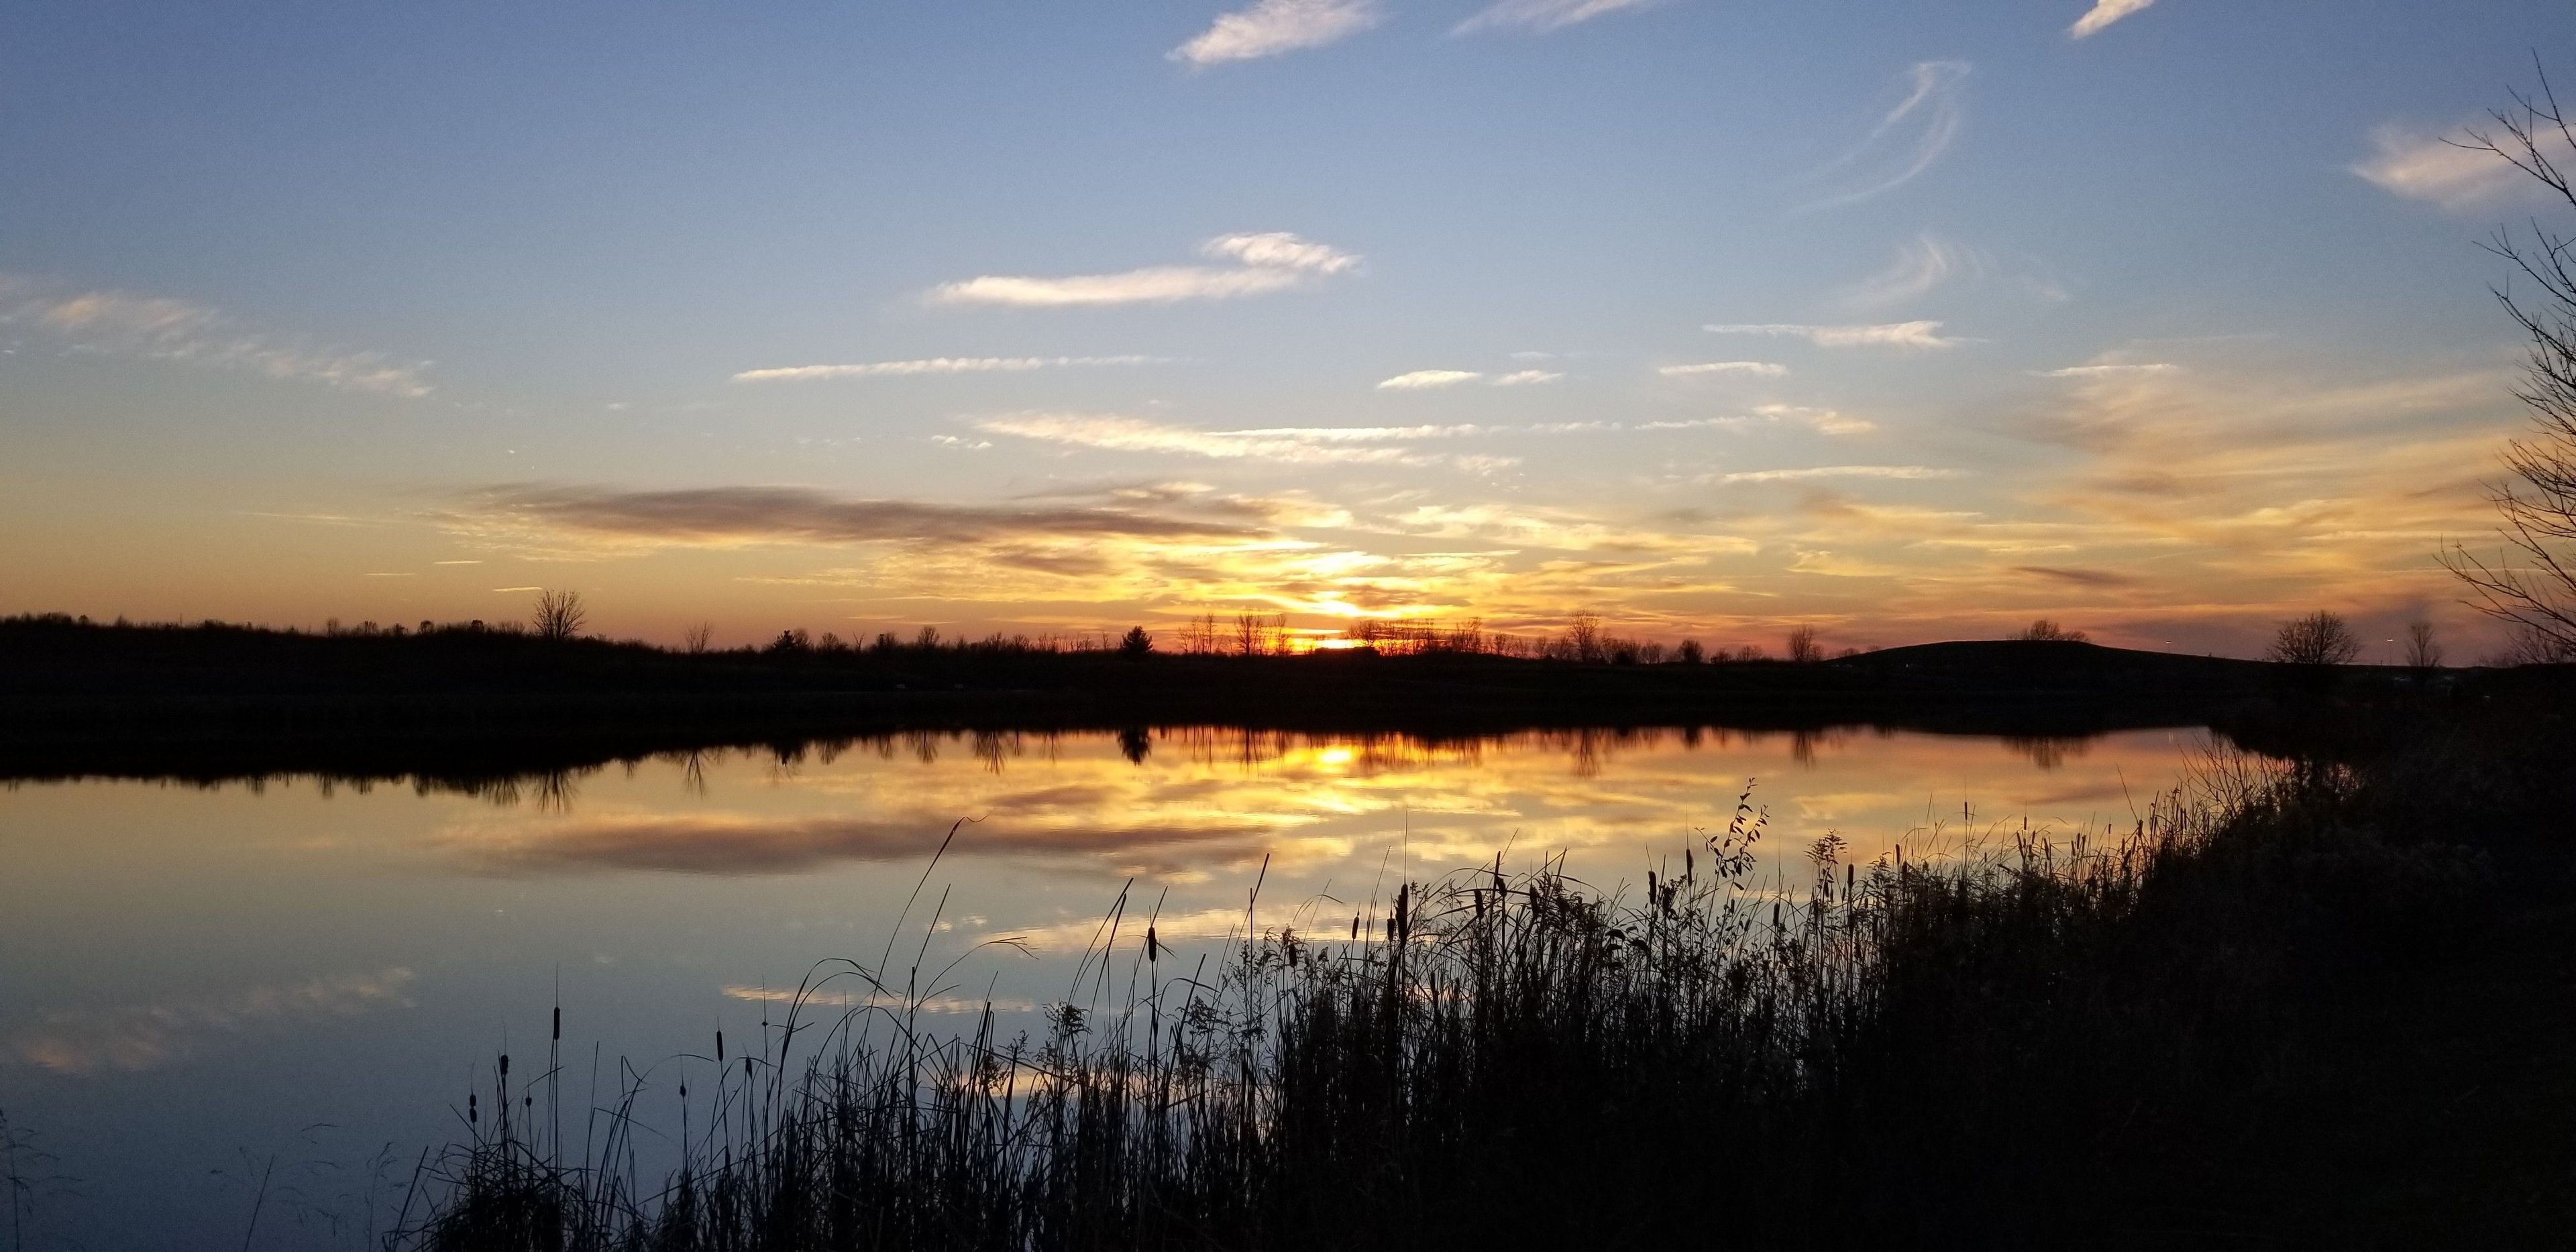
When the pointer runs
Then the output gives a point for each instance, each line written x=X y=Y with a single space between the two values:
x=116 y=323
x=1527 y=378
x=1427 y=380
x=1907 y=140
x=1271 y=27
x=1267 y=262
x=2433 y=169
x=1836 y=471
x=1756 y=369
x=2103 y=371
x=1542 y=16
x=1291 y=445
x=1907 y=335
x=1295 y=445
x=2103 y=13
x=936 y=365
x=1822 y=421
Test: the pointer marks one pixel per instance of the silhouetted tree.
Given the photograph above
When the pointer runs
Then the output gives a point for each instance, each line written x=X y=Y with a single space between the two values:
x=1583 y=637
x=2533 y=584
x=2046 y=631
x=698 y=638
x=1803 y=645
x=1689 y=653
x=2320 y=638
x=559 y=615
x=2423 y=649
x=1137 y=642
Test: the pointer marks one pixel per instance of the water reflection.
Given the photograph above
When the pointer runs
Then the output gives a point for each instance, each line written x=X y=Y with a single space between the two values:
x=188 y=972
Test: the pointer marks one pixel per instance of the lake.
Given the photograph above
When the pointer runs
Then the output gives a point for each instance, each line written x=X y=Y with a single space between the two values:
x=275 y=994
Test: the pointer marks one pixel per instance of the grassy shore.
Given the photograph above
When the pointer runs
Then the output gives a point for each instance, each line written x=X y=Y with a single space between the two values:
x=2311 y=1005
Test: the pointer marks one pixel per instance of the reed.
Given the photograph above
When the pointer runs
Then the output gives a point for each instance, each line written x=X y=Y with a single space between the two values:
x=2003 y=1037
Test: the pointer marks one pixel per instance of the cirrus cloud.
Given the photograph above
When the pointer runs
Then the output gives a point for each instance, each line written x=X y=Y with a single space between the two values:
x=1907 y=335
x=1265 y=262
x=1907 y=140
x=2103 y=13
x=1425 y=380
x=1908 y=472
x=1271 y=27
x=1542 y=16
x=160 y=328
x=1756 y=369
x=936 y=365
x=2455 y=175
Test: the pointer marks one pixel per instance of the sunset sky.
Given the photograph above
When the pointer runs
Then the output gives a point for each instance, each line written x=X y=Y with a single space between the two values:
x=2162 y=318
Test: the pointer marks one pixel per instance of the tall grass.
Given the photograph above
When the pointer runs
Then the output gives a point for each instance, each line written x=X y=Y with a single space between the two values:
x=2019 y=1034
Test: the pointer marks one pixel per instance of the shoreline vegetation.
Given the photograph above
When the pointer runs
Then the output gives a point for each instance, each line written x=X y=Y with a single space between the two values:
x=2305 y=1004
x=215 y=702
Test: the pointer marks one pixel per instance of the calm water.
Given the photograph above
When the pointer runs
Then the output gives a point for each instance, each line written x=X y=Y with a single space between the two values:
x=201 y=986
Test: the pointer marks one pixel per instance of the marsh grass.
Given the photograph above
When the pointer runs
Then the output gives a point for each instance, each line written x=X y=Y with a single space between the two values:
x=2019 y=1037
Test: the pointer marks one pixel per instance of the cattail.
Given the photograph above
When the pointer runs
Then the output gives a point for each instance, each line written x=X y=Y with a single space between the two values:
x=1355 y=928
x=558 y=1023
x=505 y=1065
x=1150 y=943
x=719 y=1047
x=473 y=1114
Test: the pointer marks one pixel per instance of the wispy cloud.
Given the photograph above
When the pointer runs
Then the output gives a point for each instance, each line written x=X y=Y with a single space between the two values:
x=1267 y=262
x=2103 y=13
x=1756 y=369
x=936 y=365
x=1907 y=140
x=116 y=323
x=2110 y=370
x=1910 y=335
x=1543 y=15
x=1921 y=265
x=1426 y=380
x=1430 y=380
x=1836 y=471
x=1293 y=445
x=1271 y=27
x=2434 y=169
x=1289 y=445
x=741 y=516
x=1822 y=421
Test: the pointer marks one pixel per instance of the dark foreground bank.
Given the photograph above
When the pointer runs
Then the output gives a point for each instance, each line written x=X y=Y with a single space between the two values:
x=2312 y=1006
x=214 y=702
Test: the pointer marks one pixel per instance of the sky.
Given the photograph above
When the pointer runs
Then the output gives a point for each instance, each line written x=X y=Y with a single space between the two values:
x=2165 y=319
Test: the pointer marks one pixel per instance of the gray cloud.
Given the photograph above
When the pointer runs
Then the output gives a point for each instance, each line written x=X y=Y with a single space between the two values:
x=722 y=515
x=2076 y=576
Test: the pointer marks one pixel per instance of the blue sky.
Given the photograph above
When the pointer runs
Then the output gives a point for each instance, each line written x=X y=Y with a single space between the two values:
x=304 y=299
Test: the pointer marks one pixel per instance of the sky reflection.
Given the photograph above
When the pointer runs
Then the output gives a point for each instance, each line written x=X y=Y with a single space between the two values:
x=188 y=974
